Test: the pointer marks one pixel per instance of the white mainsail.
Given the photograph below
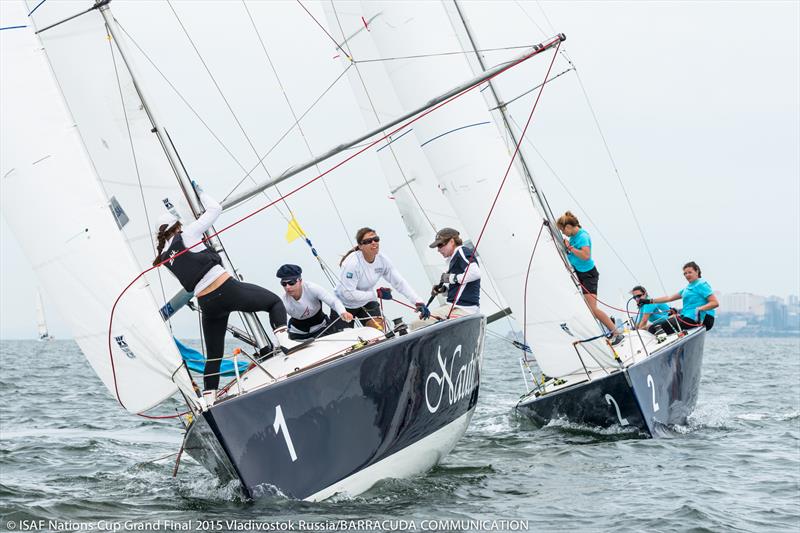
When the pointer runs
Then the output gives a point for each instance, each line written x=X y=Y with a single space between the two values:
x=61 y=209
x=469 y=157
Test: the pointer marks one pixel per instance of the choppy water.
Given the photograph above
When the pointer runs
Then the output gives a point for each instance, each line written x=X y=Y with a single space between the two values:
x=69 y=454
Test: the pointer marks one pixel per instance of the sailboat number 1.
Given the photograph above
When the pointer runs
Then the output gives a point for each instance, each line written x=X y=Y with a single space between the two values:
x=652 y=385
x=280 y=424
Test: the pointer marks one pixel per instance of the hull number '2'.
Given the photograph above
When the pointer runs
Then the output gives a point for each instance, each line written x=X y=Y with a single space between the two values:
x=280 y=425
x=458 y=387
x=651 y=384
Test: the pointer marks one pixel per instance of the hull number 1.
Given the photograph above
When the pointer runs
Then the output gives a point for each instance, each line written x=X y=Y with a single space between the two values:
x=280 y=424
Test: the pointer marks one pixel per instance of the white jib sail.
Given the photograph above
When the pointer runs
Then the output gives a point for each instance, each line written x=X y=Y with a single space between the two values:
x=61 y=213
x=469 y=158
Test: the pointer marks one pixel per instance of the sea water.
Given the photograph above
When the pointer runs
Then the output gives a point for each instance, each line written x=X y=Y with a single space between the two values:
x=72 y=460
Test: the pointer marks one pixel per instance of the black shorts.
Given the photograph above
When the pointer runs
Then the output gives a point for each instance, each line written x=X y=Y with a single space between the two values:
x=589 y=280
x=364 y=313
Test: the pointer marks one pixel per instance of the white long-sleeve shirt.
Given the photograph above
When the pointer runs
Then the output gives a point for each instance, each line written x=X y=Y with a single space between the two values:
x=310 y=301
x=193 y=233
x=359 y=279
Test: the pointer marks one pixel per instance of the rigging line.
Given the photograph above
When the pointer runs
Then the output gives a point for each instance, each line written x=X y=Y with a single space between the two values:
x=135 y=159
x=525 y=291
x=262 y=208
x=577 y=203
x=336 y=44
x=291 y=128
x=507 y=102
x=531 y=18
x=440 y=54
x=619 y=178
x=508 y=170
x=377 y=119
x=37 y=7
x=294 y=116
x=224 y=99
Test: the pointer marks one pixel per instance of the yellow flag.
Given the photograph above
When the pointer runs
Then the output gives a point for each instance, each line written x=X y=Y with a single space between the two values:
x=294 y=231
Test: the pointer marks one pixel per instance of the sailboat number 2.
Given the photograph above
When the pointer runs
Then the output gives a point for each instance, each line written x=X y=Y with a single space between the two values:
x=652 y=385
x=280 y=424
x=609 y=400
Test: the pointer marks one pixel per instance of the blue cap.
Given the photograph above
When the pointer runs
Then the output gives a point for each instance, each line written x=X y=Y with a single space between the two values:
x=289 y=272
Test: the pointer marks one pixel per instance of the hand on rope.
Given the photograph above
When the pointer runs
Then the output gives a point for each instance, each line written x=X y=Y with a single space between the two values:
x=384 y=293
x=441 y=288
x=422 y=309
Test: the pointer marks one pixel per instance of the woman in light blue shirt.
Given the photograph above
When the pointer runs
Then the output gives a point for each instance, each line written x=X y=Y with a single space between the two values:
x=579 y=254
x=648 y=313
x=699 y=303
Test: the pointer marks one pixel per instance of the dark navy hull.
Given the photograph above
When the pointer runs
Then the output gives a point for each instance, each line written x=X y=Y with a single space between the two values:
x=321 y=426
x=651 y=395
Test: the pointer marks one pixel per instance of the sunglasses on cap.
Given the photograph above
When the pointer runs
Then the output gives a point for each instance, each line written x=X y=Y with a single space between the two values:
x=371 y=240
x=289 y=282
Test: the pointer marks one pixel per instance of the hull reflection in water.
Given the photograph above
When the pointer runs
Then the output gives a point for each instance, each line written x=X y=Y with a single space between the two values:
x=393 y=409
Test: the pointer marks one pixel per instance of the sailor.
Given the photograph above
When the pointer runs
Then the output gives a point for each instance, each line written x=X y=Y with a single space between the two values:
x=651 y=313
x=579 y=254
x=463 y=285
x=362 y=267
x=303 y=301
x=200 y=271
x=699 y=303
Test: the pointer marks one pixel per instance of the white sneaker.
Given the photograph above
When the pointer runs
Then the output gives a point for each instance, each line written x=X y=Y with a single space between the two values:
x=210 y=397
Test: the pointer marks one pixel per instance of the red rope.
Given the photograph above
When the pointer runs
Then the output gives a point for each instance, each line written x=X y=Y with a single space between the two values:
x=503 y=182
x=309 y=182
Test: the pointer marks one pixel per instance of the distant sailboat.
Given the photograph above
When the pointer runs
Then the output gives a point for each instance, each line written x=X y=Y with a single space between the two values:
x=41 y=323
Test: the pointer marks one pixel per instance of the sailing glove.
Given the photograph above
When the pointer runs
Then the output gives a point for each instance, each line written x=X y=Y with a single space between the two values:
x=438 y=289
x=423 y=310
x=384 y=293
x=447 y=278
x=644 y=301
x=198 y=189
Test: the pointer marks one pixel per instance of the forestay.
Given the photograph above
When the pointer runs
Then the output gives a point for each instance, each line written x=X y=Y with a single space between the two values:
x=72 y=196
x=467 y=153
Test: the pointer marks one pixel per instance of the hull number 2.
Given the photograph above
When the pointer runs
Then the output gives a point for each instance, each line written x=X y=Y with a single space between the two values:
x=651 y=384
x=280 y=424
x=610 y=400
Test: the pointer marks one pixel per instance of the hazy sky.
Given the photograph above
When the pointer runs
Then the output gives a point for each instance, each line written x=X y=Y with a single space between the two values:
x=700 y=105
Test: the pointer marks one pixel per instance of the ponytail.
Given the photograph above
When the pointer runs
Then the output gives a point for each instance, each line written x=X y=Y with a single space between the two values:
x=165 y=233
x=567 y=219
x=359 y=235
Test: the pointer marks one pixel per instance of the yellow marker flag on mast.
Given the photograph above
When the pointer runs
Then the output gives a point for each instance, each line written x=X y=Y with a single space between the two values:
x=294 y=231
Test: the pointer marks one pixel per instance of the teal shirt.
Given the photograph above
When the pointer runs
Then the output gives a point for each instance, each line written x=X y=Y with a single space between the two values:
x=695 y=295
x=657 y=312
x=579 y=240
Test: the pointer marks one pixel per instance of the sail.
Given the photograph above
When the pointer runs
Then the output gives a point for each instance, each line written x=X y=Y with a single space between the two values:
x=69 y=220
x=469 y=157
x=41 y=323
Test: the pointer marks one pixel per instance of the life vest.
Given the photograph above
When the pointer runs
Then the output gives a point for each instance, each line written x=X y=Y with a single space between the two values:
x=472 y=290
x=190 y=267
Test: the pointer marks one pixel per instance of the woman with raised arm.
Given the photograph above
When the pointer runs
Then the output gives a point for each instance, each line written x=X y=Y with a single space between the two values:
x=579 y=254
x=363 y=266
x=200 y=271
x=699 y=303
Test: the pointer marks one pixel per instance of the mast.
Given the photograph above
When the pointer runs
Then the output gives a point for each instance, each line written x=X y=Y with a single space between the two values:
x=184 y=182
x=507 y=123
x=233 y=201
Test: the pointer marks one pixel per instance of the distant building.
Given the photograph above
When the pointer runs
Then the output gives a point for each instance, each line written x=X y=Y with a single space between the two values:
x=775 y=313
x=742 y=302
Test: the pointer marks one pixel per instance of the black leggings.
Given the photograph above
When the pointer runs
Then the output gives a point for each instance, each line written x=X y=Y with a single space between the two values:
x=233 y=295
x=671 y=325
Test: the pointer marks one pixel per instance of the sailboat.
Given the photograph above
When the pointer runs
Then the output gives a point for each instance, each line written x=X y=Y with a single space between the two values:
x=92 y=160
x=41 y=323
x=644 y=384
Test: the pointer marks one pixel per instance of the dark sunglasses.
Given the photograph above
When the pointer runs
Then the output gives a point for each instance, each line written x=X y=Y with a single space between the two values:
x=441 y=244
x=637 y=296
x=290 y=282
x=370 y=240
